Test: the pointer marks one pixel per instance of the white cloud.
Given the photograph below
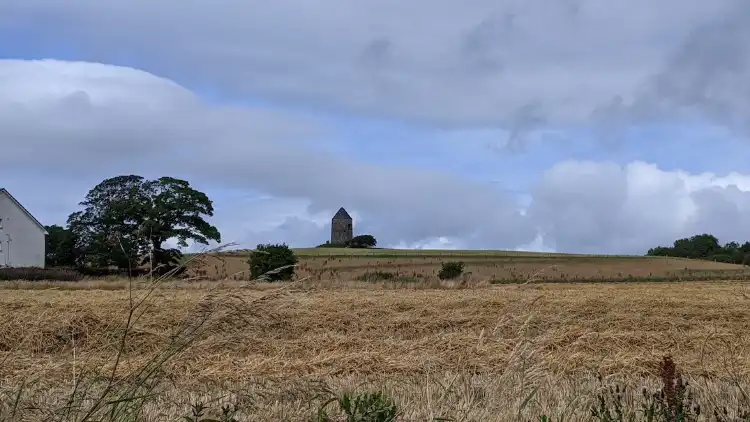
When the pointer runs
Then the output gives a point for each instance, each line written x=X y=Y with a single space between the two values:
x=436 y=243
x=123 y=120
x=241 y=149
x=604 y=207
x=587 y=207
x=537 y=245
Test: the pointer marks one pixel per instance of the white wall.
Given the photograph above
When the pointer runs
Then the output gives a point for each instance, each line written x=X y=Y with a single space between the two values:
x=26 y=248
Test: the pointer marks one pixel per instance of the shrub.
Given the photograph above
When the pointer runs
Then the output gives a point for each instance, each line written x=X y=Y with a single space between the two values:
x=729 y=259
x=365 y=407
x=362 y=241
x=199 y=410
x=377 y=276
x=272 y=262
x=39 y=274
x=328 y=244
x=451 y=270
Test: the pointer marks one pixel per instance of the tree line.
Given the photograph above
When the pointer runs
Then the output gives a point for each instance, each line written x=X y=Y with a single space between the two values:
x=125 y=221
x=705 y=246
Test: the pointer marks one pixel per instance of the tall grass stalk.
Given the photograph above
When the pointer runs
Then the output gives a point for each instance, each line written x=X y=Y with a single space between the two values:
x=122 y=394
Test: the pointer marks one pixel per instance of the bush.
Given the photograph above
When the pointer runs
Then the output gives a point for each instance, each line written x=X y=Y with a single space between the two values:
x=39 y=274
x=451 y=270
x=272 y=262
x=328 y=244
x=362 y=241
x=364 y=407
x=725 y=258
x=377 y=276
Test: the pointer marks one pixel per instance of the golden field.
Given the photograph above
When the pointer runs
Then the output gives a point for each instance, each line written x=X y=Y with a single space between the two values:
x=324 y=264
x=466 y=350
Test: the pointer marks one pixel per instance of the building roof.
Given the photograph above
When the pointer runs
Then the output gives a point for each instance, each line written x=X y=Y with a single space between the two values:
x=18 y=204
x=342 y=215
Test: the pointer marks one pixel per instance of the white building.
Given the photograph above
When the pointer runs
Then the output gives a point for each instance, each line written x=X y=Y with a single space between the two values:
x=22 y=237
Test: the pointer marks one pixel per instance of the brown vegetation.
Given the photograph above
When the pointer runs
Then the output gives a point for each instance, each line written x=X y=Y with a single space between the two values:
x=484 y=267
x=466 y=351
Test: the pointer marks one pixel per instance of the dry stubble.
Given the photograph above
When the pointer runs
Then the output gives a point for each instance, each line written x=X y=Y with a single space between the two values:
x=472 y=353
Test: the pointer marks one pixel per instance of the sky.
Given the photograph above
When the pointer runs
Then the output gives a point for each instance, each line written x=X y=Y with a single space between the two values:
x=566 y=125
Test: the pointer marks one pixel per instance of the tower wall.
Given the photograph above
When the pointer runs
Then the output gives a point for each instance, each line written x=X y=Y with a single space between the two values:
x=341 y=231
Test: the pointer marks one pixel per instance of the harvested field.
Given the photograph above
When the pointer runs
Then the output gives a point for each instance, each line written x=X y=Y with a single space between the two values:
x=472 y=353
x=481 y=266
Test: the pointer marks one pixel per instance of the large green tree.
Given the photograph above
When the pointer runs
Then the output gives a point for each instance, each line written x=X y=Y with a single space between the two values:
x=60 y=247
x=126 y=220
x=362 y=241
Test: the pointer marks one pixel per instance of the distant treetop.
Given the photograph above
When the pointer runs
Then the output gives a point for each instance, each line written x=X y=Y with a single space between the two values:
x=705 y=246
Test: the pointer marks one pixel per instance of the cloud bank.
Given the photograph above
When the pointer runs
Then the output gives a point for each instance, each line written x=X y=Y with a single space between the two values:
x=67 y=125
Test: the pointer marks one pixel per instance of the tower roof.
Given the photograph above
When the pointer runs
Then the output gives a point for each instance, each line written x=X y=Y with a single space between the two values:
x=342 y=215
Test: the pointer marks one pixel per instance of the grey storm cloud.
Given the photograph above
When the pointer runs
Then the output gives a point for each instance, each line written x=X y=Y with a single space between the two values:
x=705 y=77
x=441 y=62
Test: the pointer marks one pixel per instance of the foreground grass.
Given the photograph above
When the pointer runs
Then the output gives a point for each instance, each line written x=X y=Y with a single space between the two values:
x=279 y=353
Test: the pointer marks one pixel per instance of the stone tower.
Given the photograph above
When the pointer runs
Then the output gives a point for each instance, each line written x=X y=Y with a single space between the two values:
x=341 y=227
